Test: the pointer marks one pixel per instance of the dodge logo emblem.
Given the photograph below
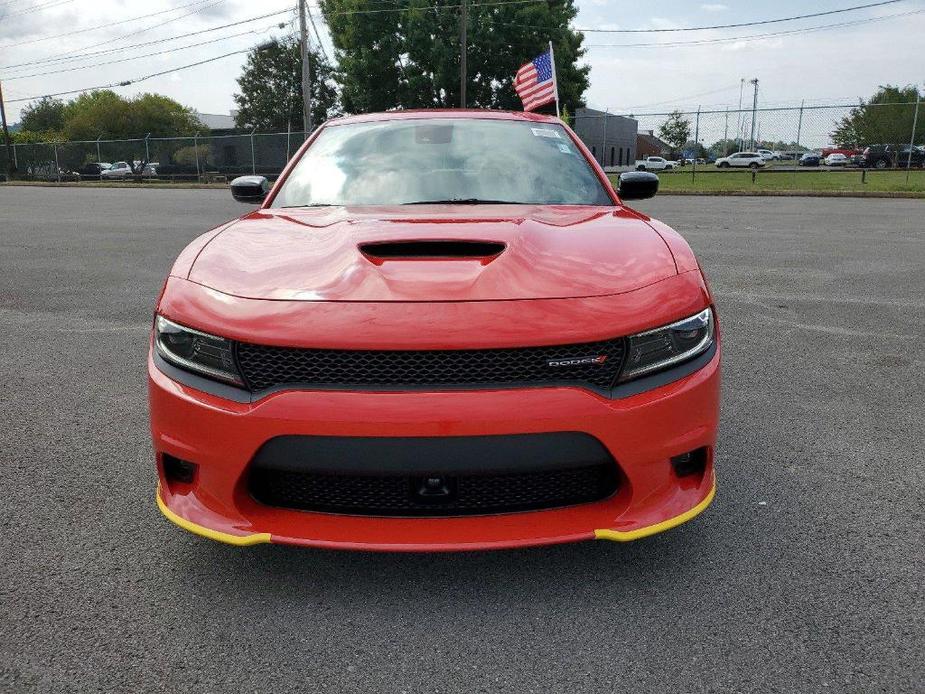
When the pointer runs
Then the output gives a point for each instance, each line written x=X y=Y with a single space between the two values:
x=577 y=361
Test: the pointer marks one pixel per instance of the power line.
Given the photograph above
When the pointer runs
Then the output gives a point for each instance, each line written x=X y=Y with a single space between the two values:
x=38 y=8
x=311 y=18
x=750 y=37
x=440 y=7
x=111 y=24
x=136 y=57
x=680 y=99
x=739 y=25
x=107 y=51
x=135 y=80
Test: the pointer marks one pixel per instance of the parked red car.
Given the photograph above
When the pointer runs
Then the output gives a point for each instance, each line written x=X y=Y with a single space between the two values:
x=440 y=330
x=847 y=151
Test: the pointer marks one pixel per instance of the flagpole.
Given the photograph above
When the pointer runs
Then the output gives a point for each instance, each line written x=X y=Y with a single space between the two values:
x=555 y=84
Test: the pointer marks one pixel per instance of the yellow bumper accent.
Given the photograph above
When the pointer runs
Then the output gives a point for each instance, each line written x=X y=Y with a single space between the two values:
x=239 y=540
x=620 y=536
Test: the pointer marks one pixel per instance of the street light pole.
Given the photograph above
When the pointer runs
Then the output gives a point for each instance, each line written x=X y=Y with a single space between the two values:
x=306 y=74
x=463 y=28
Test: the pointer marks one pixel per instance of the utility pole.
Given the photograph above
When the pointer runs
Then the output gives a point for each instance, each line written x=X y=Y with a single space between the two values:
x=463 y=26
x=754 y=113
x=306 y=74
x=6 y=136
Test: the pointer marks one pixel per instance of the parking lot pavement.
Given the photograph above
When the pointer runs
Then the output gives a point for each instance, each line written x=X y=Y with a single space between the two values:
x=804 y=576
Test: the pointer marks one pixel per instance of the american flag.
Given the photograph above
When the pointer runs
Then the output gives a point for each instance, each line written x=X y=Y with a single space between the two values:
x=535 y=82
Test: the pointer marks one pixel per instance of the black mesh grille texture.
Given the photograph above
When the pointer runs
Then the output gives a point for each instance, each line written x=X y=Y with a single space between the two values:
x=397 y=495
x=265 y=367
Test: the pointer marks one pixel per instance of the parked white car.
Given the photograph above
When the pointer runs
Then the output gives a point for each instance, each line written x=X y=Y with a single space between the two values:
x=654 y=164
x=122 y=169
x=836 y=159
x=767 y=154
x=751 y=160
x=119 y=169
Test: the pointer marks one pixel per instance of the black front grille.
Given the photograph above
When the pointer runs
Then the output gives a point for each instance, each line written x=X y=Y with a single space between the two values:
x=400 y=495
x=267 y=367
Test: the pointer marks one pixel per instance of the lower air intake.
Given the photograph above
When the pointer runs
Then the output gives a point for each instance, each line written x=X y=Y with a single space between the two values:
x=432 y=495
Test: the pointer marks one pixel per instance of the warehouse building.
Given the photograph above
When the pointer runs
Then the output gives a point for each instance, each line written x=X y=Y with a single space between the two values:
x=611 y=139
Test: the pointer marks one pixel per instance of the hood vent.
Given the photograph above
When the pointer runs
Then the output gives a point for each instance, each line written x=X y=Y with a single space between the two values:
x=436 y=249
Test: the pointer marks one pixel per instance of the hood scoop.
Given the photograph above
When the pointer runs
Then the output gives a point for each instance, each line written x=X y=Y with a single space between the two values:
x=436 y=249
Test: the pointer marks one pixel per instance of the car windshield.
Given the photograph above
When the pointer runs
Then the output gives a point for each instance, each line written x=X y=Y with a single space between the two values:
x=442 y=160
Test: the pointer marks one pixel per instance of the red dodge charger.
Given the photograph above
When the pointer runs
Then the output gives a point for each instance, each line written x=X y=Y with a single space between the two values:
x=439 y=330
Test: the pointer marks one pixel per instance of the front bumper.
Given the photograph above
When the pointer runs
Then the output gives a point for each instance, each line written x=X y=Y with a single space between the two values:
x=641 y=431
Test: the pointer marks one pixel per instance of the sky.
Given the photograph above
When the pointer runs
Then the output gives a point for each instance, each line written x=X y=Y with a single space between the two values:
x=833 y=65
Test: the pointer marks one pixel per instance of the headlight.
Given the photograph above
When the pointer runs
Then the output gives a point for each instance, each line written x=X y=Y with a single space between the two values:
x=658 y=349
x=196 y=351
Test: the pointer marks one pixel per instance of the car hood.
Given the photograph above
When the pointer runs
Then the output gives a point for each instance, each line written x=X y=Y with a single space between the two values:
x=524 y=252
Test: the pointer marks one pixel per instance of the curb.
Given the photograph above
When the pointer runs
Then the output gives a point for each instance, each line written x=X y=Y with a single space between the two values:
x=914 y=195
x=902 y=194
x=96 y=184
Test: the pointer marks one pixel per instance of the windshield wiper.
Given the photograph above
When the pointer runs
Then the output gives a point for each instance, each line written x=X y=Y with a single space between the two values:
x=314 y=204
x=464 y=201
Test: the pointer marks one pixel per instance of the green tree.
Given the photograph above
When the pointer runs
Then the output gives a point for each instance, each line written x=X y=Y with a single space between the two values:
x=44 y=115
x=410 y=59
x=676 y=130
x=885 y=118
x=105 y=114
x=694 y=149
x=271 y=88
x=722 y=148
x=565 y=116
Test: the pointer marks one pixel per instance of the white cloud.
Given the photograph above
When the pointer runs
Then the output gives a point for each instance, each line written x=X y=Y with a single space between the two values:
x=714 y=7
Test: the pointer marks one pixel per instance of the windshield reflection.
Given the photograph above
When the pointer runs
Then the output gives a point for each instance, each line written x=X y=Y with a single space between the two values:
x=463 y=161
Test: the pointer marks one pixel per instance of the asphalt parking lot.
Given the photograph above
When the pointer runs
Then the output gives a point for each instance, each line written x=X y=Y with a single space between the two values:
x=804 y=576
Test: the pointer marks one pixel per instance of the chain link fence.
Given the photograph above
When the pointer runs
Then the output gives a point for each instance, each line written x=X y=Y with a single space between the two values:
x=871 y=136
x=860 y=138
x=199 y=158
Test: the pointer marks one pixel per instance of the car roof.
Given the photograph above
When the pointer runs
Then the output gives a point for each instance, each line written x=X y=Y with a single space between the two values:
x=468 y=113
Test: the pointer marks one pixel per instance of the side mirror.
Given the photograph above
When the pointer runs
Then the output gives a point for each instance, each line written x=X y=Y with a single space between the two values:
x=252 y=189
x=637 y=185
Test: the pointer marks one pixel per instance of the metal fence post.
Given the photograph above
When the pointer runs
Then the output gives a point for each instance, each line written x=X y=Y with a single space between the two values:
x=15 y=158
x=196 y=150
x=915 y=122
x=253 y=156
x=696 y=144
x=799 y=132
x=726 y=133
x=99 y=157
x=57 y=166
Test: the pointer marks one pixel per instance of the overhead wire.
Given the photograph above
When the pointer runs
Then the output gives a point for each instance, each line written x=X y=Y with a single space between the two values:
x=37 y=8
x=317 y=35
x=112 y=24
x=739 y=25
x=137 y=57
x=753 y=37
x=107 y=51
x=134 y=80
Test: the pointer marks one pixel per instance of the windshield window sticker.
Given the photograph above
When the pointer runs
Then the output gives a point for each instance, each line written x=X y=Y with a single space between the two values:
x=564 y=148
x=545 y=132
